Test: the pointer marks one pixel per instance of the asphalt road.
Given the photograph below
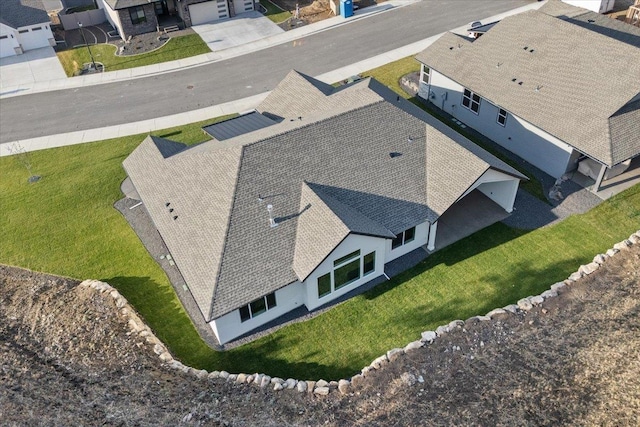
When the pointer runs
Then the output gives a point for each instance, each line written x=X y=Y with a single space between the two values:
x=51 y=113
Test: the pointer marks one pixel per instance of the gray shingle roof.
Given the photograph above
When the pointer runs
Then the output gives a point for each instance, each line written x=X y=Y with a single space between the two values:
x=336 y=160
x=583 y=77
x=21 y=13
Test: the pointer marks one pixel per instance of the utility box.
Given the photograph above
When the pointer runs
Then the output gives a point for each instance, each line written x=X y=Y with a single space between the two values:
x=346 y=8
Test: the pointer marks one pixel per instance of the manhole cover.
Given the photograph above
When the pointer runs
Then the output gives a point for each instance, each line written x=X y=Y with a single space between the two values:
x=190 y=87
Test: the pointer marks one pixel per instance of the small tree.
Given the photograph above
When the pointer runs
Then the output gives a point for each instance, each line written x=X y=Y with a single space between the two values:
x=22 y=156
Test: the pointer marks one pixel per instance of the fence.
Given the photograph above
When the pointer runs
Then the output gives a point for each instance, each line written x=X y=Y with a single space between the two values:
x=87 y=18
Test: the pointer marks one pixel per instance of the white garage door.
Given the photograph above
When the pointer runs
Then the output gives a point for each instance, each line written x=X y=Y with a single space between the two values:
x=208 y=11
x=33 y=38
x=242 y=6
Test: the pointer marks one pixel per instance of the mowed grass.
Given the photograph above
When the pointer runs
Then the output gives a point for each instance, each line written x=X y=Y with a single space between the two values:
x=274 y=13
x=176 y=48
x=66 y=224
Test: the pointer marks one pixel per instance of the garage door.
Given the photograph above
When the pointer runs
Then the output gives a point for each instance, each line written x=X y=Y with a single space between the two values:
x=33 y=38
x=208 y=11
x=242 y=6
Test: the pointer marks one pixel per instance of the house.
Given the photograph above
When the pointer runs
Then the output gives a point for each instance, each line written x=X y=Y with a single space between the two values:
x=310 y=196
x=24 y=25
x=598 y=6
x=132 y=17
x=558 y=86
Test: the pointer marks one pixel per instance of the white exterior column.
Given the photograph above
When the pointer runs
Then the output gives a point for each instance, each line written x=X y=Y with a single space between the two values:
x=596 y=186
x=432 y=236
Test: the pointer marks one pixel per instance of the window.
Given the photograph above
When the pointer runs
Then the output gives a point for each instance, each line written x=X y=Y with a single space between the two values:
x=471 y=101
x=403 y=238
x=368 y=263
x=3 y=37
x=502 y=117
x=36 y=29
x=425 y=76
x=137 y=15
x=257 y=307
x=346 y=270
x=23 y=31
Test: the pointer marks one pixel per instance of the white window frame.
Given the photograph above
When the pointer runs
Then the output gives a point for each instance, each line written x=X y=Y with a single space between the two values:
x=332 y=288
x=502 y=115
x=425 y=72
x=474 y=105
x=267 y=306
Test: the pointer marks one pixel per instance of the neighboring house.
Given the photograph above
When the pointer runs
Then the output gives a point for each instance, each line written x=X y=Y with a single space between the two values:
x=559 y=87
x=598 y=6
x=309 y=197
x=132 y=17
x=24 y=25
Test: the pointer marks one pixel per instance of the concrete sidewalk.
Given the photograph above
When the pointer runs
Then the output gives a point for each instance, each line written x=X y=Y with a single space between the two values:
x=238 y=106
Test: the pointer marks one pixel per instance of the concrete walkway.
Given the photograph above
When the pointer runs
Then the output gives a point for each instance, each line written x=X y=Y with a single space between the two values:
x=241 y=105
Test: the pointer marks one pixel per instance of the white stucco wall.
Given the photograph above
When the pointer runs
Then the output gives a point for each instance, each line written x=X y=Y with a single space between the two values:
x=519 y=136
x=353 y=242
x=422 y=237
x=112 y=16
x=498 y=186
x=8 y=44
x=229 y=326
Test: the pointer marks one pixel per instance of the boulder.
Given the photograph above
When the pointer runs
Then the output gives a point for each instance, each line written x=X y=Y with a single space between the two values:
x=357 y=380
x=241 y=378
x=302 y=386
x=214 y=375
x=321 y=391
x=378 y=362
x=511 y=308
x=322 y=383
x=275 y=380
x=600 y=259
x=495 y=312
x=393 y=354
x=634 y=239
x=557 y=286
x=266 y=380
x=166 y=357
x=621 y=246
x=549 y=293
x=310 y=386
x=414 y=345
x=257 y=378
x=343 y=386
x=536 y=300
x=589 y=268
x=524 y=304
x=290 y=383
x=428 y=336
x=611 y=252
x=441 y=330
x=455 y=324
x=576 y=276
x=232 y=377
x=277 y=387
x=408 y=378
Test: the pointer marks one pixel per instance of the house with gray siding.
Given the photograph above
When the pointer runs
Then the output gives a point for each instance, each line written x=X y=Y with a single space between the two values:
x=558 y=86
x=310 y=196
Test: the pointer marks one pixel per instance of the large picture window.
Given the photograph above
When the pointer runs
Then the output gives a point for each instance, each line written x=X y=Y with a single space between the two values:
x=471 y=101
x=257 y=307
x=346 y=270
x=137 y=15
x=403 y=238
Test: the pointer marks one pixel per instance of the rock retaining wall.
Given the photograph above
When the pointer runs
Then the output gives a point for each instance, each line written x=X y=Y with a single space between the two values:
x=322 y=387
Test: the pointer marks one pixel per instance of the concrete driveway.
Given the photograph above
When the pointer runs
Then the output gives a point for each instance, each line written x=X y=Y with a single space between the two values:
x=241 y=29
x=31 y=67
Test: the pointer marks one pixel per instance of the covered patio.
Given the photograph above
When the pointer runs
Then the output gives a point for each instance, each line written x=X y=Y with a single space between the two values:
x=604 y=187
x=472 y=213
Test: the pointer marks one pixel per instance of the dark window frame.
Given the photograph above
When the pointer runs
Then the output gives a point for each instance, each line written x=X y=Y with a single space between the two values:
x=257 y=307
x=134 y=14
x=502 y=117
x=471 y=101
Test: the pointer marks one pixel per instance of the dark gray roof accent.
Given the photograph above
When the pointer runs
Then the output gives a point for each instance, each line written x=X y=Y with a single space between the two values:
x=482 y=28
x=22 y=13
x=624 y=127
x=123 y=4
x=336 y=159
x=582 y=77
x=238 y=126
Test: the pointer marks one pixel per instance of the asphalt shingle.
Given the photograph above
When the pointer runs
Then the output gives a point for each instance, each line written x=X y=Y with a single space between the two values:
x=22 y=13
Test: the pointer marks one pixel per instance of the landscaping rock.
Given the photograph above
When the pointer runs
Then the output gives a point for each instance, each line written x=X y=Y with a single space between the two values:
x=576 y=276
x=310 y=386
x=166 y=357
x=495 y=312
x=302 y=386
x=344 y=386
x=321 y=391
x=214 y=375
x=454 y=324
x=357 y=380
x=441 y=330
x=241 y=378
x=414 y=345
x=276 y=380
x=408 y=378
x=224 y=374
x=394 y=354
x=364 y=371
x=257 y=378
x=322 y=383
x=589 y=268
x=277 y=387
x=550 y=293
x=232 y=377
x=379 y=362
x=511 y=308
x=600 y=259
x=536 y=300
x=557 y=286
x=634 y=239
x=611 y=252
x=621 y=246
x=290 y=383
x=333 y=385
x=266 y=380
x=524 y=304
x=428 y=336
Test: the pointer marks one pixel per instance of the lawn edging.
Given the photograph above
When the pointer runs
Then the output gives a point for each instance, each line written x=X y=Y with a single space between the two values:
x=344 y=386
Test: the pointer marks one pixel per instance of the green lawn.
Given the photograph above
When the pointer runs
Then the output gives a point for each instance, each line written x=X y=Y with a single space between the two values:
x=274 y=13
x=176 y=48
x=66 y=224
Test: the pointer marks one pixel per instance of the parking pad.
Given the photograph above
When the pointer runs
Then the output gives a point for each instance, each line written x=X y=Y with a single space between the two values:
x=241 y=29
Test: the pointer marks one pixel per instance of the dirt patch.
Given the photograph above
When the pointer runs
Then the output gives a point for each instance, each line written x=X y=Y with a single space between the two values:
x=310 y=11
x=68 y=358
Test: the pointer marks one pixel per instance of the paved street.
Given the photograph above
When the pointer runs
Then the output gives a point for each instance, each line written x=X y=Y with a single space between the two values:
x=70 y=110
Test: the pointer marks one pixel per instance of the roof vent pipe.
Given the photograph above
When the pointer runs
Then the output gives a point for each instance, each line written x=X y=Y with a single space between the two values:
x=272 y=222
